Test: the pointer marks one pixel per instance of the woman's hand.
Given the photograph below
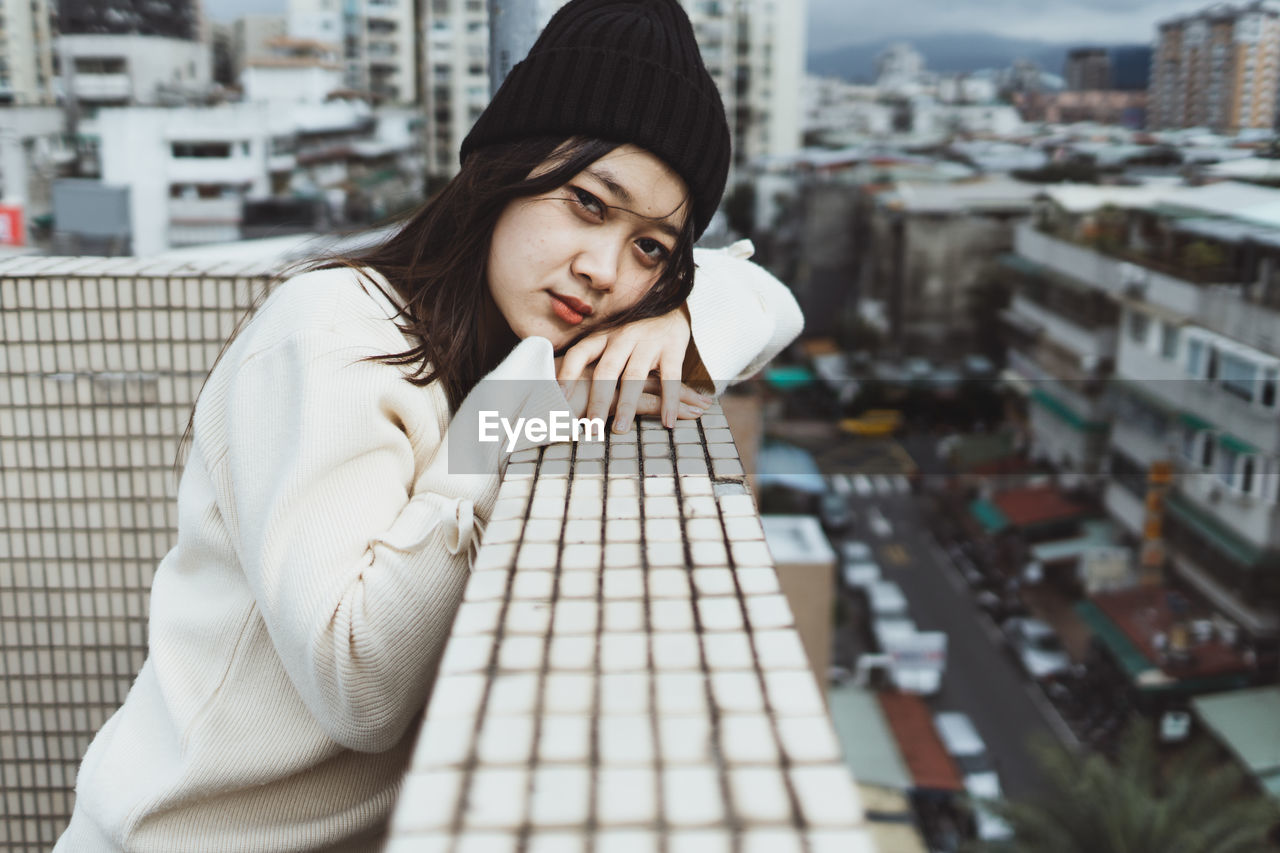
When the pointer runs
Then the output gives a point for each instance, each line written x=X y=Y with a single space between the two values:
x=618 y=364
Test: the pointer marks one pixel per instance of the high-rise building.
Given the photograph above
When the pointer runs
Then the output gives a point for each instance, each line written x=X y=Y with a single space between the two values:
x=26 y=52
x=377 y=40
x=250 y=37
x=754 y=51
x=180 y=19
x=1217 y=68
x=1088 y=69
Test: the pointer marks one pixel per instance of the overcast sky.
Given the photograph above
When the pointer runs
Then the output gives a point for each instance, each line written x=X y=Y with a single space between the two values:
x=833 y=23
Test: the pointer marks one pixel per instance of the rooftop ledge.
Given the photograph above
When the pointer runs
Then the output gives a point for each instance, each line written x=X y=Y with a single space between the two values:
x=624 y=673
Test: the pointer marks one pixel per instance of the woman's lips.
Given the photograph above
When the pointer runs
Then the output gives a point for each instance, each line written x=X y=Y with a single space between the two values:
x=568 y=309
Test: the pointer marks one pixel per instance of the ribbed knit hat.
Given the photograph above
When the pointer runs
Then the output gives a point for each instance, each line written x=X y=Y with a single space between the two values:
x=625 y=71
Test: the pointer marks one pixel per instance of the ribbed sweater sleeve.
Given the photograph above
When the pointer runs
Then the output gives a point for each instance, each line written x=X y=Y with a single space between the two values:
x=740 y=315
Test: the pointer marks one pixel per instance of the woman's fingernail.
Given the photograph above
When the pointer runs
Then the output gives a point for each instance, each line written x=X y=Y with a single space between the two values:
x=706 y=401
x=690 y=411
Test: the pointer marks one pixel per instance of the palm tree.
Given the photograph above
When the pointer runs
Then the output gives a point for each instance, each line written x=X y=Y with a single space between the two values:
x=1140 y=803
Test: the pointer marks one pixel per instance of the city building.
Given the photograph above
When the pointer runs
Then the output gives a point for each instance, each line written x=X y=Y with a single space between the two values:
x=754 y=51
x=1217 y=68
x=377 y=40
x=26 y=52
x=251 y=36
x=177 y=19
x=1087 y=69
x=1193 y=277
x=900 y=70
x=117 y=70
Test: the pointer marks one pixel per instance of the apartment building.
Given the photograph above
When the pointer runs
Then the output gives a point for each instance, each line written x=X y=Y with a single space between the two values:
x=1217 y=68
x=129 y=69
x=1193 y=280
x=26 y=53
x=377 y=41
x=1087 y=69
x=754 y=51
x=251 y=36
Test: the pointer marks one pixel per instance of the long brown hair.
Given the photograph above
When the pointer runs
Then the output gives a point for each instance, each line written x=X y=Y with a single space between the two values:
x=438 y=262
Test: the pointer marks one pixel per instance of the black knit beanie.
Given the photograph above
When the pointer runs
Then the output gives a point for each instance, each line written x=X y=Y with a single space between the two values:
x=625 y=71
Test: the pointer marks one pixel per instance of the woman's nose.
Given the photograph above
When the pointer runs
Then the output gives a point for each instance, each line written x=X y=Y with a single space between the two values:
x=597 y=264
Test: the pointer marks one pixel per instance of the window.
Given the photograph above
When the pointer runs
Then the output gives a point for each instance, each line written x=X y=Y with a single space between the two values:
x=1168 y=340
x=201 y=149
x=1138 y=323
x=1195 y=357
x=1267 y=393
x=1238 y=376
x=1227 y=461
x=1247 y=480
x=1204 y=450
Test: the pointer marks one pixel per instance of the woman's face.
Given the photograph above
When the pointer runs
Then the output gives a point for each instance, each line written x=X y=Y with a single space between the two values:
x=562 y=262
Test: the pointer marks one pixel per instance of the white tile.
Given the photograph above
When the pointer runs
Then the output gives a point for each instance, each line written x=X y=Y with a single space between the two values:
x=501 y=532
x=690 y=486
x=553 y=468
x=704 y=529
x=578 y=584
x=654 y=450
x=513 y=694
x=588 y=489
x=528 y=617
x=747 y=739
x=700 y=506
x=727 y=467
x=505 y=740
x=659 y=486
x=808 y=739
x=621 y=554
x=624 y=652
x=622 y=530
x=582 y=532
x=519 y=653
x=585 y=450
x=708 y=553
x=626 y=739
x=624 y=693
x=670 y=615
x=532 y=584
x=515 y=489
x=794 y=693
x=668 y=583
x=662 y=530
x=720 y=614
x=444 y=742
x=681 y=693
x=527 y=454
x=626 y=450
x=550 y=490
x=623 y=583
x=626 y=841
x=686 y=450
x=624 y=489
x=661 y=506
x=658 y=468
x=628 y=468
x=511 y=508
x=467 y=654
x=757 y=581
x=585 y=507
x=625 y=615
x=658 y=435
x=568 y=693
x=588 y=468
x=714 y=418
x=691 y=796
x=779 y=650
x=626 y=796
x=665 y=554
x=699 y=841
x=858 y=840
x=576 y=616
x=685 y=740
x=434 y=798
x=480 y=617
x=751 y=554
x=572 y=653
x=561 y=798
x=496 y=798
x=542 y=530
x=767 y=611
x=731 y=505
x=760 y=795
x=557 y=451
x=521 y=471
x=457 y=696
x=717 y=435
x=770 y=840
x=692 y=468
x=722 y=451
x=714 y=581
x=623 y=506
x=431 y=842
x=737 y=692
x=565 y=738
x=827 y=796
x=486 y=586
x=740 y=528
x=547 y=506
x=727 y=651
x=537 y=555
x=686 y=433
x=675 y=651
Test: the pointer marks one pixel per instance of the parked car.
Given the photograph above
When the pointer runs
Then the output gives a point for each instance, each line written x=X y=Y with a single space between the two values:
x=1037 y=647
x=834 y=512
x=885 y=599
x=967 y=748
x=860 y=574
x=855 y=551
x=874 y=423
x=1001 y=606
x=889 y=628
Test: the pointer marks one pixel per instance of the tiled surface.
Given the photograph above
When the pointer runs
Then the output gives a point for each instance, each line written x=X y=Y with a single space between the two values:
x=624 y=674
x=100 y=360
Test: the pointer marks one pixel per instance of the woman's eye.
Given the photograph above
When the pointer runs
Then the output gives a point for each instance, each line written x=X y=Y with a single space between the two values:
x=588 y=202
x=652 y=249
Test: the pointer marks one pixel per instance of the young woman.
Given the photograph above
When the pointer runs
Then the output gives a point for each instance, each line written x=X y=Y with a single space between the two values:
x=324 y=526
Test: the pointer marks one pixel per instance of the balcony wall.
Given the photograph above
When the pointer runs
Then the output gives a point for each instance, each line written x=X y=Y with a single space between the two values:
x=646 y=684
x=1094 y=344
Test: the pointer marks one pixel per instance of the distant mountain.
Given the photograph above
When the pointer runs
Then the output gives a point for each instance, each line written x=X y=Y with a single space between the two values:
x=972 y=51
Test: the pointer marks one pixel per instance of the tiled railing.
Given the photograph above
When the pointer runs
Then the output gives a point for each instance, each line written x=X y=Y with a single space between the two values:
x=623 y=673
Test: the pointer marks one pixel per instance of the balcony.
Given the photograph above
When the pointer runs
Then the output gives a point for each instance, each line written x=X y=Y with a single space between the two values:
x=642 y=669
x=103 y=87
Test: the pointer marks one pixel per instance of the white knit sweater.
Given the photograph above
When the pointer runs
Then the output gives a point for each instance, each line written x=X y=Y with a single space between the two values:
x=322 y=550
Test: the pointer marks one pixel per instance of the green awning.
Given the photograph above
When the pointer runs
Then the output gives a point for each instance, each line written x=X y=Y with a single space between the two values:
x=1129 y=656
x=1065 y=412
x=1194 y=422
x=1244 y=721
x=990 y=516
x=870 y=749
x=1230 y=442
x=1217 y=534
x=789 y=377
